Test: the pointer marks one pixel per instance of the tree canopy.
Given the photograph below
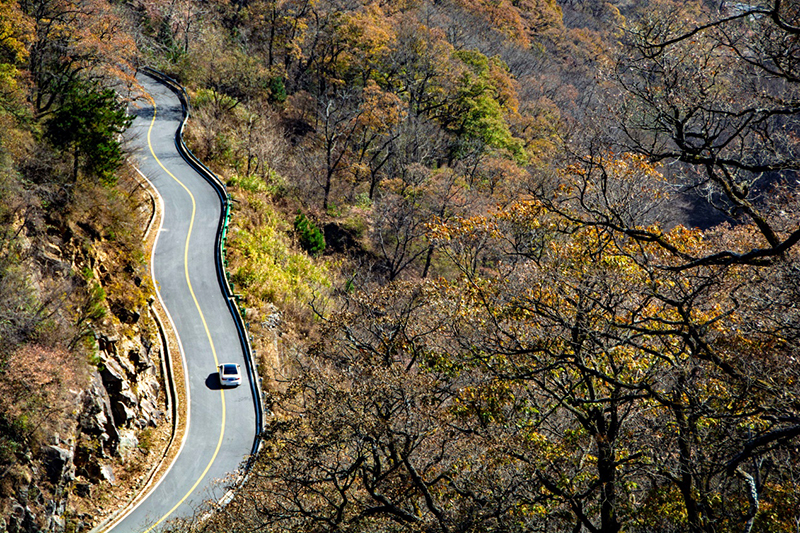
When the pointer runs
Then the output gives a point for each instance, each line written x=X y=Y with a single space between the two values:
x=574 y=303
x=88 y=123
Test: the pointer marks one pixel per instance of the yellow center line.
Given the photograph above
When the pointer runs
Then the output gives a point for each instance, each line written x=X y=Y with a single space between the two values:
x=202 y=318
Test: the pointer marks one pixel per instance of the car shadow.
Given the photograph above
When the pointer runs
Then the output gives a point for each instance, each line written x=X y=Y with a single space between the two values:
x=212 y=381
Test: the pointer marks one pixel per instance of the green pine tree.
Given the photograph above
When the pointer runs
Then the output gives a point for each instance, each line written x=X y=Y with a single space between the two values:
x=88 y=123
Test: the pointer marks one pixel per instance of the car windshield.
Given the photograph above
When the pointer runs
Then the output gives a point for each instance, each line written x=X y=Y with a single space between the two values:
x=229 y=369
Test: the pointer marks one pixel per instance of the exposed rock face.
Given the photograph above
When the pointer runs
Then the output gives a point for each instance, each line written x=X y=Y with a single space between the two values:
x=122 y=397
x=131 y=380
x=107 y=474
x=128 y=443
x=74 y=261
x=58 y=464
x=96 y=419
x=21 y=519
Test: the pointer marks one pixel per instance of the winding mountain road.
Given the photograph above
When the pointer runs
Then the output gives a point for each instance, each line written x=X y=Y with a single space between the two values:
x=222 y=422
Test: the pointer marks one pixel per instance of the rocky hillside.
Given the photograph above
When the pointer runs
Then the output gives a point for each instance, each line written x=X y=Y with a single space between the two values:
x=84 y=408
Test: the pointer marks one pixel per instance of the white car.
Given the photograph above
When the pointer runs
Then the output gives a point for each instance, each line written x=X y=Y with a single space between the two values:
x=229 y=375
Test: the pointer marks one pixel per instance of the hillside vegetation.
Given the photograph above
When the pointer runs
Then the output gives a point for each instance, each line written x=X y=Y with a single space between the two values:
x=522 y=265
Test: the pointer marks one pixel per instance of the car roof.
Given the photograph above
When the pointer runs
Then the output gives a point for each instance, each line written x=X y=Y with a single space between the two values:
x=229 y=368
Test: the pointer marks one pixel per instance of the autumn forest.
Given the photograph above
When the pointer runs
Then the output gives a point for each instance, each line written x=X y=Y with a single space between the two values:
x=509 y=265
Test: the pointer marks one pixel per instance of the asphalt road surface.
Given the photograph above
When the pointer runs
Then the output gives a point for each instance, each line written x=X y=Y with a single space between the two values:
x=221 y=421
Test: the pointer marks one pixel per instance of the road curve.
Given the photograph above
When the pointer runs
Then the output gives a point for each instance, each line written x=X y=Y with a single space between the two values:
x=222 y=423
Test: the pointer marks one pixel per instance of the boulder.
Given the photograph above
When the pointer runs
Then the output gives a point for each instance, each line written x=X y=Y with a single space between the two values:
x=141 y=359
x=129 y=397
x=153 y=388
x=20 y=519
x=114 y=377
x=97 y=472
x=272 y=318
x=96 y=418
x=51 y=254
x=58 y=463
x=22 y=494
x=107 y=344
x=123 y=359
x=151 y=415
x=107 y=474
x=124 y=403
x=122 y=414
x=56 y=523
x=128 y=443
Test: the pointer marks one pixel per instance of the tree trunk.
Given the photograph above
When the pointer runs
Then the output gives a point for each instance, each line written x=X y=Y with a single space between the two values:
x=752 y=497
x=75 y=159
x=427 y=261
x=685 y=481
x=328 y=178
x=607 y=472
